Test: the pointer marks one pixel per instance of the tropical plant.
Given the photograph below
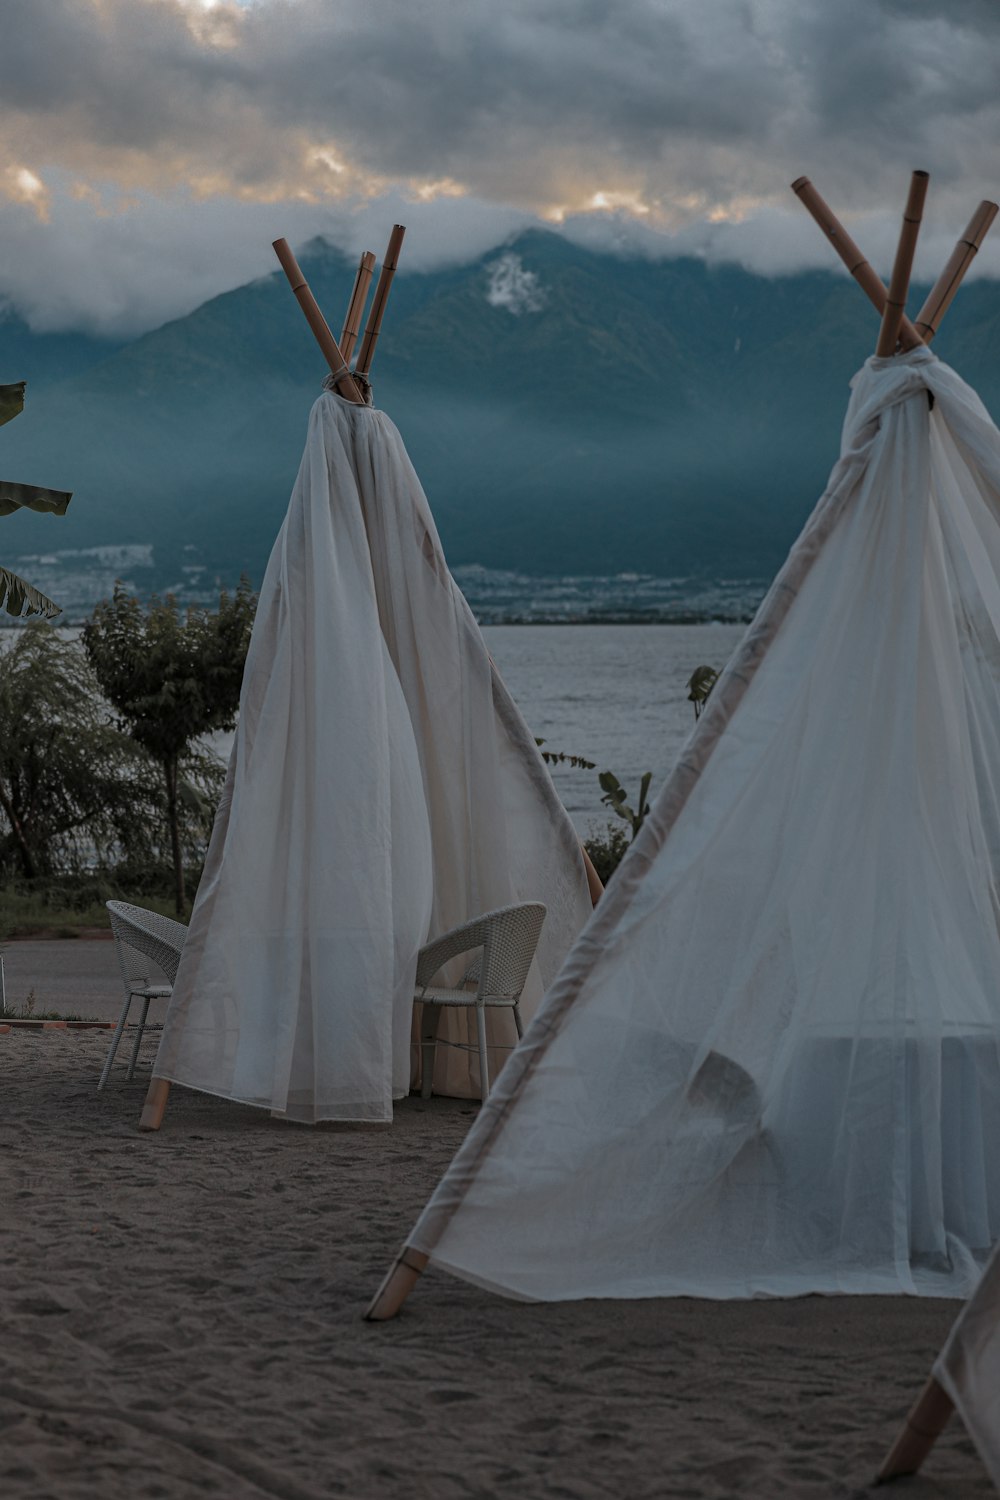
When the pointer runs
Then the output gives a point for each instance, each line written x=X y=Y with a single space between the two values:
x=170 y=680
x=16 y=595
x=560 y=758
x=616 y=797
x=700 y=684
x=75 y=793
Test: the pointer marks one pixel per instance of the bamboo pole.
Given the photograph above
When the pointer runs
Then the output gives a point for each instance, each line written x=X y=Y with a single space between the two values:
x=864 y=274
x=895 y=302
x=367 y=351
x=331 y=349
x=398 y=1283
x=156 y=1104
x=356 y=306
x=939 y=300
x=926 y=1421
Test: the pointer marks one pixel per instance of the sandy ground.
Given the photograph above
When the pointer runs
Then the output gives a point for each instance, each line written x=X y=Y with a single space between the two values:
x=182 y=1317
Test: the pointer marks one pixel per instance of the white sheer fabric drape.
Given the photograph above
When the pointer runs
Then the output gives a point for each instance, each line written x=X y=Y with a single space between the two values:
x=771 y=1063
x=382 y=788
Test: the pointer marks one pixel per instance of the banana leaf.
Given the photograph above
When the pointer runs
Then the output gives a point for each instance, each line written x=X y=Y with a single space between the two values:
x=11 y=401
x=32 y=497
x=19 y=598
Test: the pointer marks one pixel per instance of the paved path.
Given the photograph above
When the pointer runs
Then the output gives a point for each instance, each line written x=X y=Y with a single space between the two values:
x=74 y=976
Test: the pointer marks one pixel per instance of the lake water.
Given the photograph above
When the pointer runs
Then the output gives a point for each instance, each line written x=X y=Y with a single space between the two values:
x=615 y=694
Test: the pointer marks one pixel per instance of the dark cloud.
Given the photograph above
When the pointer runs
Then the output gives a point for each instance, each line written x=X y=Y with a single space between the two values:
x=691 y=115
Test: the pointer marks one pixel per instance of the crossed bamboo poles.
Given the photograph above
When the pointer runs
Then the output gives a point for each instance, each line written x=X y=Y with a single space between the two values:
x=351 y=384
x=896 y=327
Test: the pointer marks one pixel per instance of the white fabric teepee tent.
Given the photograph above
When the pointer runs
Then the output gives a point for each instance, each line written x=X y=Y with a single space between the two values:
x=771 y=1062
x=382 y=789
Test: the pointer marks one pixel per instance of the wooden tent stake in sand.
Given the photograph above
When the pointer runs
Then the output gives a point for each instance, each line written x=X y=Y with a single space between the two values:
x=895 y=302
x=964 y=1378
x=156 y=1103
x=926 y=1421
x=356 y=306
x=405 y=1271
x=366 y=353
x=332 y=353
x=948 y=283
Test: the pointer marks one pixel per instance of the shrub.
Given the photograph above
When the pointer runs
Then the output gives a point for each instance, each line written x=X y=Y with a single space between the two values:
x=606 y=848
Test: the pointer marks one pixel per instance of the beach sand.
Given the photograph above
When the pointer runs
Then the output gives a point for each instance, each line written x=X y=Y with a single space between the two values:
x=182 y=1316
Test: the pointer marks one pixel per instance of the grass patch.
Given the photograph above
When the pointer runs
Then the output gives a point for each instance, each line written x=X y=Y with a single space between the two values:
x=66 y=908
x=26 y=1012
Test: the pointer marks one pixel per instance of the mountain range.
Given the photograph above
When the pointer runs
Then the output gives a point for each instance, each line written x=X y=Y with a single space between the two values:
x=569 y=412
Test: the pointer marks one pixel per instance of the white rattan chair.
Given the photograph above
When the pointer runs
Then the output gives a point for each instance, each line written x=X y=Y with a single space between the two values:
x=143 y=939
x=508 y=938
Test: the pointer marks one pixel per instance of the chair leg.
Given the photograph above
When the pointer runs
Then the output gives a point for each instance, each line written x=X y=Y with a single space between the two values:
x=428 y=1047
x=484 y=1066
x=518 y=1023
x=114 y=1042
x=138 y=1039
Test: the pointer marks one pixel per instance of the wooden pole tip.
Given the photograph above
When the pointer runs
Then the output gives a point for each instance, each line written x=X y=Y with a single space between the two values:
x=402 y=1277
x=799 y=184
x=981 y=221
x=155 y=1106
x=917 y=195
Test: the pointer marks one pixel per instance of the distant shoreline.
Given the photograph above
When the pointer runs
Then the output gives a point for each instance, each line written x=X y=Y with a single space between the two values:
x=614 y=618
x=489 y=619
x=496 y=596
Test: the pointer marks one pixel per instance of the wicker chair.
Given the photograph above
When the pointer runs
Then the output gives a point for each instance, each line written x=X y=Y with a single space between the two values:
x=143 y=939
x=508 y=938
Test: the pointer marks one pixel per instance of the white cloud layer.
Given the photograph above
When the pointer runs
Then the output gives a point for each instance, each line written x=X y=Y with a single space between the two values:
x=155 y=147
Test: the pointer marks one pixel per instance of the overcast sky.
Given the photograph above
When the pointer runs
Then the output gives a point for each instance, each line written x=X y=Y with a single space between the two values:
x=154 y=148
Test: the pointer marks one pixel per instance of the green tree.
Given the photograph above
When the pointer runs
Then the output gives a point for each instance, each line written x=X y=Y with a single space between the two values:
x=171 y=679
x=69 y=781
x=17 y=596
x=77 y=796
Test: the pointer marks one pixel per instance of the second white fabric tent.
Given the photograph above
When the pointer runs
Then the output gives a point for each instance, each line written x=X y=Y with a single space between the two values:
x=383 y=788
x=771 y=1063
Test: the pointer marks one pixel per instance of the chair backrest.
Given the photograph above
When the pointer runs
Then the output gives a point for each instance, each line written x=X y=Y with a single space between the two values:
x=141 y=935
x=508 y=938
